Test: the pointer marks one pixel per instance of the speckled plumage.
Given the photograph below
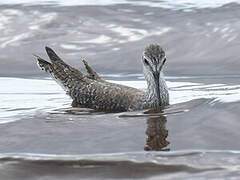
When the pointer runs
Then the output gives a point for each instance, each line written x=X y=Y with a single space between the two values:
x=91 y=91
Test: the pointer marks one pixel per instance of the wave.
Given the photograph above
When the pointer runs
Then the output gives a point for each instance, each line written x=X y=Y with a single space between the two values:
x=171 y=4
x=192 y=163
x=46 y=95
x=117 y=44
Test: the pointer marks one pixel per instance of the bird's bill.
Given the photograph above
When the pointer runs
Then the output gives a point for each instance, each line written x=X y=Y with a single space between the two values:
x=156 y=80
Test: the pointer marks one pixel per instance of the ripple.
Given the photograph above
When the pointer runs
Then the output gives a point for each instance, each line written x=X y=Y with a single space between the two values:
x=187 y=164
x=170 y=4
x=45 y=95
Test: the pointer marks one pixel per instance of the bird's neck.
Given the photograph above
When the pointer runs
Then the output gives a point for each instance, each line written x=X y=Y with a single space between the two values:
x=157 y=94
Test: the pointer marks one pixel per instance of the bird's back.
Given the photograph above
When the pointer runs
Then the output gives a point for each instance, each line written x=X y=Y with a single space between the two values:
x=105 y=96
x=90 y=90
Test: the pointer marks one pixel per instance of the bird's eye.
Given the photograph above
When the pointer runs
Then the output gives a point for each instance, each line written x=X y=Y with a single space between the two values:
x=164 y=60
x=146 y=62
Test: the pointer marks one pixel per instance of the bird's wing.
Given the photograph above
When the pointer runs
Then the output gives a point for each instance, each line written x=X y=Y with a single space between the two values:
x=91 y=73
x=63 y=73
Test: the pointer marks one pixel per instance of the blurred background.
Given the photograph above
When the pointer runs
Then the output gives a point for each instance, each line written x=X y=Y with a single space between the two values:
x=200 y=37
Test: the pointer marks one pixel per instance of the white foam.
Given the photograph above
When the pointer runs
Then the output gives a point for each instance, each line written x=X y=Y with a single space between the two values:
x=215 y=29
x=4 y=20
x=132 y=34
x=13 y=36
x=225 y=29
x=15 y=39
x=137 y=20
x=115 y=49
x=41 y=19
x=232 y=37
x=99 y=40
x=149 y=13
x=72 y=47
x=12 y=12
x=34 y=27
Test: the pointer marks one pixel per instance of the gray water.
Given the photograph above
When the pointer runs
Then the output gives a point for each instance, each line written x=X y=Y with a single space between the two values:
x=196 y=137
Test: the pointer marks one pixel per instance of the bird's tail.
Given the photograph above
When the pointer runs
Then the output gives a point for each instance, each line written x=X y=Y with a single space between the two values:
x=64 y=74
x=44 y=65
x=61 y=72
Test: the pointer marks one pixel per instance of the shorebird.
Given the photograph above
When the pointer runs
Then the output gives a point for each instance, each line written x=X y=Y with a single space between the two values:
x=91 y=91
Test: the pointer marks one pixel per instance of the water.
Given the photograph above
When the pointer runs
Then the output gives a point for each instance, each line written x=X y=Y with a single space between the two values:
x=170 y=4
x=40 y=130
x=196 y=137
x=45 y=95
x=180 y=165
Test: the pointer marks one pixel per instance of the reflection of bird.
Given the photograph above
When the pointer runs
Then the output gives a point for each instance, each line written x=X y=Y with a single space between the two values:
x=156 y=134
x=91 y=91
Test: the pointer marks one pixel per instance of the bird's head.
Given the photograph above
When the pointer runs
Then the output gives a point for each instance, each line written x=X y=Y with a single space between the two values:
x=153 y=59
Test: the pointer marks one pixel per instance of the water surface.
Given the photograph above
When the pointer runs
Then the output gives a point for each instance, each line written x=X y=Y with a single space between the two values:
x=40 y=130
x=196 y=137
